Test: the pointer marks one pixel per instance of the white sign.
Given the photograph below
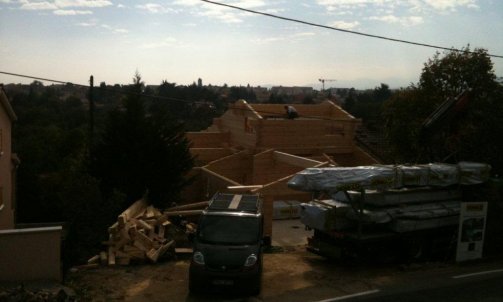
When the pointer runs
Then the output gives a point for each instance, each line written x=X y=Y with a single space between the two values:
x=472 y=224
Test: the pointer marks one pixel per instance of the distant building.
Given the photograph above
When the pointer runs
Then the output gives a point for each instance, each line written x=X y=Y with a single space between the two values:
x=262 y=94
x=295 y=90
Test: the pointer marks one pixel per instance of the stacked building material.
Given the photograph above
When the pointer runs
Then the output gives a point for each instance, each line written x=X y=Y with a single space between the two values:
x=143 y=233
x=397 y=198
x=387 y=177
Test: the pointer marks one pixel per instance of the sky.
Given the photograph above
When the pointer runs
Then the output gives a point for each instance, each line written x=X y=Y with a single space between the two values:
x=182 y=40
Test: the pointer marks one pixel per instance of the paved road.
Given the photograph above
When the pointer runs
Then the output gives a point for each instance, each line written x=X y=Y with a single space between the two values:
x=480 y=286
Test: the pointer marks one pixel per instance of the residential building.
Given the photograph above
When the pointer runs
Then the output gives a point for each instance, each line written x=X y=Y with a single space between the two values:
x=26 y=254
x=8 y=164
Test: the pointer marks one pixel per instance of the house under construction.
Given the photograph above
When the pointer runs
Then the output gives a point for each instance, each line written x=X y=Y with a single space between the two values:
x=255 y=148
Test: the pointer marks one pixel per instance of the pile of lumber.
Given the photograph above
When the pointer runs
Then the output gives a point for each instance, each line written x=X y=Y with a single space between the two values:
x=143 y=233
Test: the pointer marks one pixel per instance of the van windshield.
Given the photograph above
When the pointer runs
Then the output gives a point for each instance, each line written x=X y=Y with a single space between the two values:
x=232 y=230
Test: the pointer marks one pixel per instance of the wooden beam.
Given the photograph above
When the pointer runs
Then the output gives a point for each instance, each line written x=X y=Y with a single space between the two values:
x=240 y=189
x=295 y=160
x=154 y=254
x=223 y=178
x=93 y=259
x=190 y=206
x=132 y=211
x=111 y=256
x=183 y=213
x=330 y=159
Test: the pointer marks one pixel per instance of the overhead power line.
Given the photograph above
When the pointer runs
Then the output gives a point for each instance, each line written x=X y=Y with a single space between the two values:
x=340 y=29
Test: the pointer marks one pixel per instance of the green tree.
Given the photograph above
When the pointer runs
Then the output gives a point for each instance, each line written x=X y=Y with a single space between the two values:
x=467 y=132
x=403 y=114
x=141 y=153
x=367 y=105
x=447 y=75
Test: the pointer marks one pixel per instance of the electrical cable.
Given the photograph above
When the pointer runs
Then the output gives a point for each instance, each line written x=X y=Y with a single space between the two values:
x=340 y=29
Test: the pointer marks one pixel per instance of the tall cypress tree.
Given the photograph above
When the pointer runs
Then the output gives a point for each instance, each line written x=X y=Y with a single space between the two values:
x=141 y=153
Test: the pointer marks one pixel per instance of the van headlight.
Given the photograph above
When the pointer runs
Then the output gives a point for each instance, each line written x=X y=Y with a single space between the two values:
x=251 y=260
x=198 y=258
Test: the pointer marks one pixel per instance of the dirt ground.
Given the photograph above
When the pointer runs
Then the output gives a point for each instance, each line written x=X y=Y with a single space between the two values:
x=290 y=274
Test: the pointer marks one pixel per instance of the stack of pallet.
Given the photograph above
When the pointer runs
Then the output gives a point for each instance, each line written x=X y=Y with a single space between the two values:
x=143 y=233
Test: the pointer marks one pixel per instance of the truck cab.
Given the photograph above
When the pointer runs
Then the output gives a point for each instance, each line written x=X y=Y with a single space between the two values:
x=228 y=245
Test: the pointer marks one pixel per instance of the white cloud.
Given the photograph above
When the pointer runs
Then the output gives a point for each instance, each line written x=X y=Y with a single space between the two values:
x=82 y=3
x=187 y=2
x=304 y=34
x=26 y=5
x=291 y=38
x=385 y=8
x=440 y=6
x=86 y=24
x=450 y=5
x=114 y=30
x=155 y=8
x=404 y=21
x=71 y=12
x=225 y=14
x=95 y=23
x=60 y=7
x=345 y=25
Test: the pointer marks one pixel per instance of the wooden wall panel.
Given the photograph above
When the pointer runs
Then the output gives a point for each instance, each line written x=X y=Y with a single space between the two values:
x=194 y=190
x=363 y=158
x=237 y=167
x=234 y=122
x=262 y=163
x=203 y=156
x=208 y=139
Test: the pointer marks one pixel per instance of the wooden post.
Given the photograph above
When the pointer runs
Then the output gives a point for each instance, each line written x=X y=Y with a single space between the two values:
x=267 y=209
x=91 y=111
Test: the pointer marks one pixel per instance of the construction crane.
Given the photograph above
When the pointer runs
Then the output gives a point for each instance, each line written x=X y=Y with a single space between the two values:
x=323 y=82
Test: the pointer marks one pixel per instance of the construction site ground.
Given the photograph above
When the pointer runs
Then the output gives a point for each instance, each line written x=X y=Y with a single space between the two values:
x=290 y=274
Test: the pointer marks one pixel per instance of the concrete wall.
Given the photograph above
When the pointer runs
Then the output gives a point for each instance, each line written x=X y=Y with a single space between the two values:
x=6 y=207
x=30 y=254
